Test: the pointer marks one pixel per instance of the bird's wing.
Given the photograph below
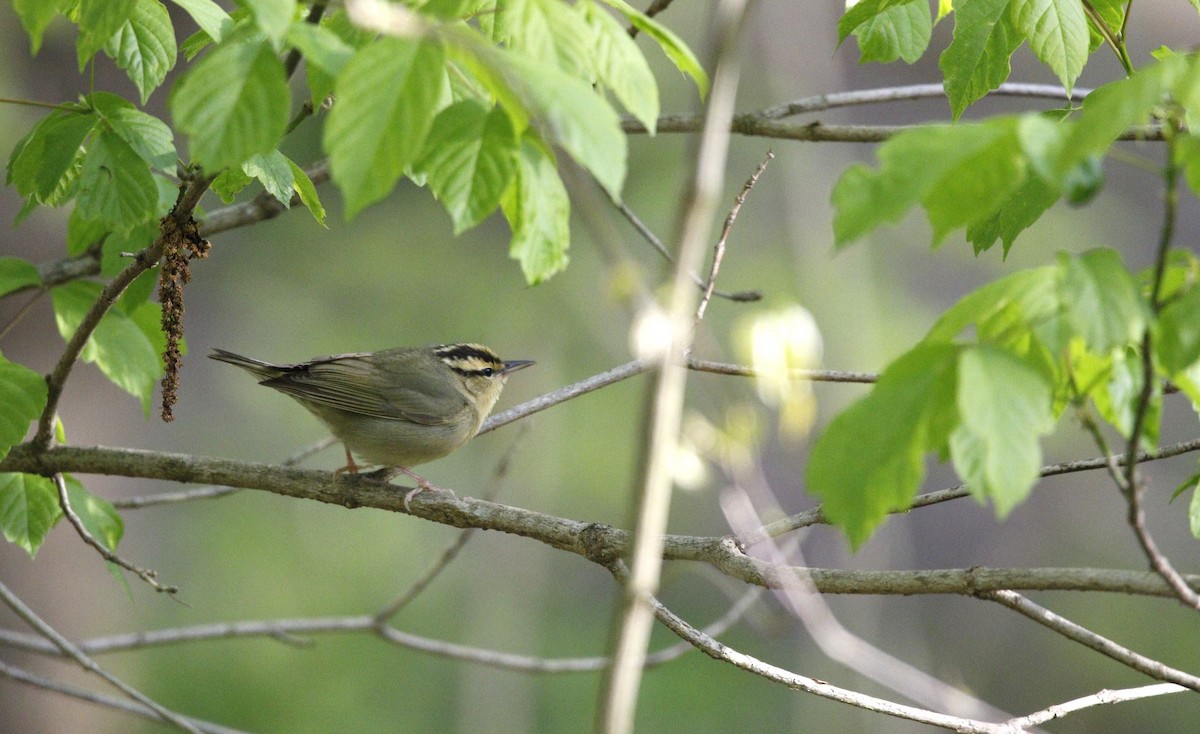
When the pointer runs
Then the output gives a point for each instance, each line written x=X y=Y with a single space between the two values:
x=353 y=383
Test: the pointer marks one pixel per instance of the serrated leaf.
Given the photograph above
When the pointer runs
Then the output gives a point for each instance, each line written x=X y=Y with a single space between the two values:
x=960 y=174
x=28 y=509
x=1031 y=294
x=860 y=13
x=1112 y=109
x=548 y=31
x=149 y=136
x=1117 y=400
x=115 y=185
x=50 y=155
x=871 y=459
x=1004 y=406
x=386 y=98
x=570 y=114
x=1057 y=31
x=22 y=399
x=274 y=173
x=1178 y=334
x=1025 y=206
x=83 y=234
x=272 y=17
x=307 y=192
x=469 y=160
x=35 y=17
x=96 y=513
x=144 y=46
x=621 y=67
x=538 y=212
x=901 y=31
x=233 y=103
x=16 y=273
x=211 y=18
x=98 y=20
x=118 y=346
x=977 y=59
x=672 y=45
x=1101 y=301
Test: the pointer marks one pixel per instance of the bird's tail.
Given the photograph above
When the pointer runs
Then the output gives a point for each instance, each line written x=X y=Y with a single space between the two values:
x=257 y=367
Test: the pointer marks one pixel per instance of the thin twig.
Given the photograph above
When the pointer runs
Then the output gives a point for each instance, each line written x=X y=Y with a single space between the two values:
x=816 y=515
x=1100 y=698
x=648 y=235
x=615 y=712
x=719 y=248
x=82 y=694
x=145 y=574
x=1134 y=487
x=451 y=551
x=22 y=312
x=655 y=8
x=70 y=650
x=724 y=653
x=1086 y=637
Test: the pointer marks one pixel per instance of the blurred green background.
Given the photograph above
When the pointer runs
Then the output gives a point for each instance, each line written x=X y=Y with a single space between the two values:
x=287 y=289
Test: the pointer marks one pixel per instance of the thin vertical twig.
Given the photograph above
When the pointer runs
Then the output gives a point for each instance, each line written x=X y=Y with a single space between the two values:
x=615 y=714
x=719 y=248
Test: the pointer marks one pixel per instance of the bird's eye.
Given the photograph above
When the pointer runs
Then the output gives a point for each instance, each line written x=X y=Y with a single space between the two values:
x=487 y=371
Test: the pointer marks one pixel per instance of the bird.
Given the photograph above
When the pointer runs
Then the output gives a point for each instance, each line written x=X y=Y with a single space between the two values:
x=395 y=408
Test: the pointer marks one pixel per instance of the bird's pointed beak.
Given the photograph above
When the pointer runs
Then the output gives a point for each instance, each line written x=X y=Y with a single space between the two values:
x=516 y=364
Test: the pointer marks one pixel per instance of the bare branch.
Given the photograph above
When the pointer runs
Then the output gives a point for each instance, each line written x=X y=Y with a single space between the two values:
x=145 y=574
x=1084 y=636
x=1097 y=699
x=70 y=650
x=37 y=681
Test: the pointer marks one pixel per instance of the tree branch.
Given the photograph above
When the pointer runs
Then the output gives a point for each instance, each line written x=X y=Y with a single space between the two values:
x=597 y=542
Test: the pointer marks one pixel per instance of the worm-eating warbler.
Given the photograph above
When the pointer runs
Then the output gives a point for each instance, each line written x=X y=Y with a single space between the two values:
x=398 y=407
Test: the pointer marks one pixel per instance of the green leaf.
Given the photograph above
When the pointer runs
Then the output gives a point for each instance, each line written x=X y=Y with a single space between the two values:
x=16 y=273
x=273 y=17
x=144 y=46
x=49 y=158
x=1178 y=342
x=115 y=186
x=960 y=174
x=35 y=16
x=233 y=103
x=229 y=183
x=538 y=211
x=1025 y=297
x=871 y=459
x=1112 y=109
x=1117 y=402
x=1194 y=508
x=307 y=192
x=28 y=509
x=149 y=136
x=148 y=318
x=673 y=46
x=211 y=18
x=22 y=399
x=1187 y=157
x=386 y=99
x=1004 y=406
x=1057 y=31
x=621 y=67
x=469 y=159
x=96 y=513
x=98 y=20
x=321 y=47
x=548 y=31
x=901 y=31
x=977 y=59
x=570 y=113
x=274 y=173
x=861 y=13
x=118 y=346
x=84 y=234
x=1101 y=300
x=1024 y=207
